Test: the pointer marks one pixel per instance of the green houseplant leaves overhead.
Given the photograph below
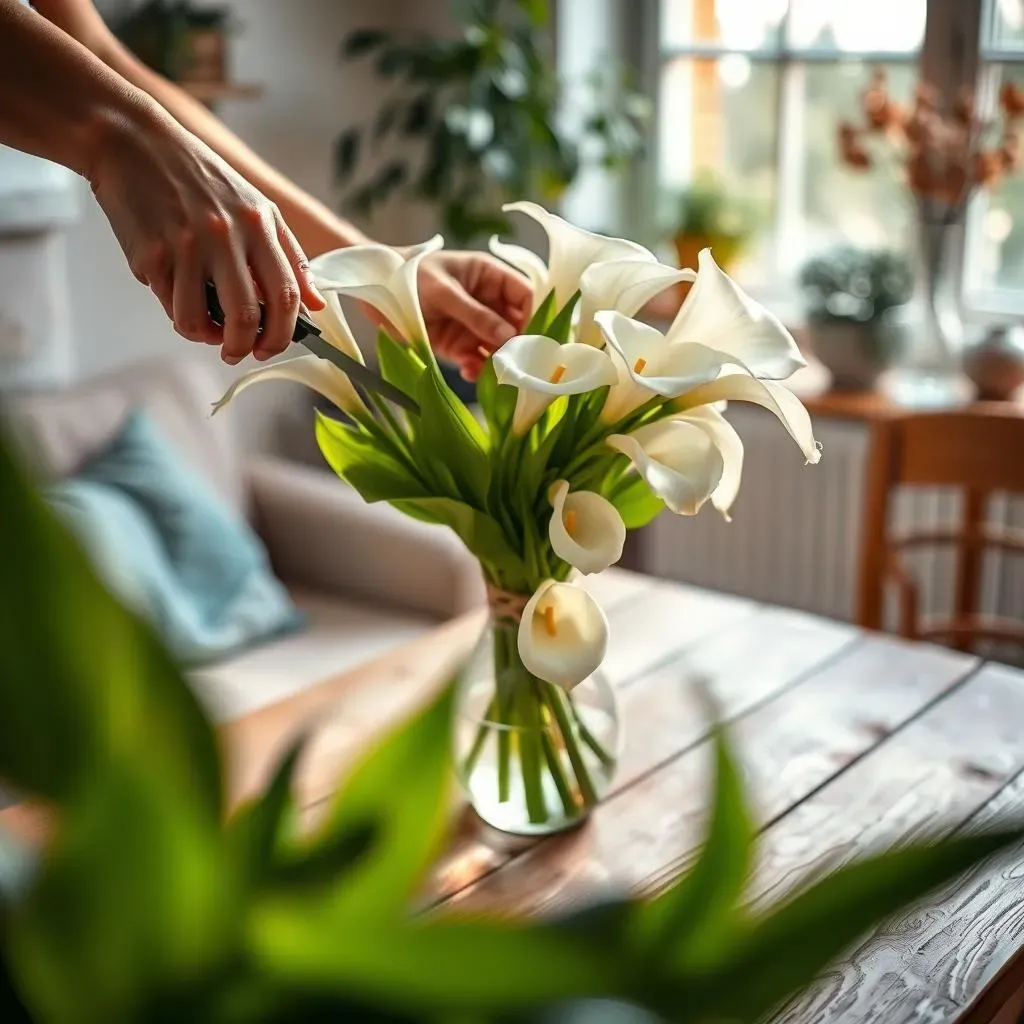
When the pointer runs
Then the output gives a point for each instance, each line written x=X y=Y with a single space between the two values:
x=482 y=109
x=149 y=906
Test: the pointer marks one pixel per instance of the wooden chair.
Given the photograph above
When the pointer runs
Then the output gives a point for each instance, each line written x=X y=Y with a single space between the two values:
x=978 y=450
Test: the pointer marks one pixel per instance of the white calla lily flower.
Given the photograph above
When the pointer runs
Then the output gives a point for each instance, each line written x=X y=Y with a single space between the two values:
x=382 y=277
x=542 y=369
x=625 y=286
x=647 y=365
x=679 y=461
x=334 y=328
x=586 y=529
x=776 y=398
x=724 y=437
x=528 y=263
x=718 y=314
x=570 y=251
x=563 y=634
x=316 y=373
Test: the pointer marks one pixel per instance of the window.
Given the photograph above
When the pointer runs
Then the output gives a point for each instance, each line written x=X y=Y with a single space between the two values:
x=754 y=90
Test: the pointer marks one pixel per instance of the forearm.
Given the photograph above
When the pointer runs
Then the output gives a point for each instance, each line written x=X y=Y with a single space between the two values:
x=315 y=226
x=57 y=100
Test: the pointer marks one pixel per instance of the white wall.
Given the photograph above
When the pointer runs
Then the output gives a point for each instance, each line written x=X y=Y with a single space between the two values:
x=290 y=47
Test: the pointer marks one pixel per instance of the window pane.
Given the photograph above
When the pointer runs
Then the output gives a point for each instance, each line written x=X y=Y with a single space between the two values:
x=869 y=208
x=857 y=26
x=734 y=24
x=1007 y=24
x=721 y=116
x=998 y=239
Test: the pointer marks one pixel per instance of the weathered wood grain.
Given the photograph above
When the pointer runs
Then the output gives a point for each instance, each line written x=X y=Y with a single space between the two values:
x=790 y=747
x=927 y=964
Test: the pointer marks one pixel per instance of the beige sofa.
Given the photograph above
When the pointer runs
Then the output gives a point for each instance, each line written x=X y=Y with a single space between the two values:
x=368 y=577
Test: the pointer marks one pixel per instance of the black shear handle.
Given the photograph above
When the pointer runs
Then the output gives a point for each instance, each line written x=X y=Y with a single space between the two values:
x=304 y=327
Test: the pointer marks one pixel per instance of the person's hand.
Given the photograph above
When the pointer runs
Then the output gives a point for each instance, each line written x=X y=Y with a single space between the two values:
x=183 y=216
x=472 y=304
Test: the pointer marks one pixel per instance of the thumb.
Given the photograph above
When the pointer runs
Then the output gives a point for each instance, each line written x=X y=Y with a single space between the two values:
x=480 y=320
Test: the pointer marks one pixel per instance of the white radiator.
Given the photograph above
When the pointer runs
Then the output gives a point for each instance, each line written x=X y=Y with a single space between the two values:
x=794 y=538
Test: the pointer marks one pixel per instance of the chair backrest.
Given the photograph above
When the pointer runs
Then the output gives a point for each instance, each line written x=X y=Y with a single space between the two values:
x=61 y=428
x=979 y=451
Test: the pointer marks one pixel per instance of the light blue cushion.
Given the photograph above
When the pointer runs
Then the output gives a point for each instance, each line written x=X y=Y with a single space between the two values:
x=168 y=547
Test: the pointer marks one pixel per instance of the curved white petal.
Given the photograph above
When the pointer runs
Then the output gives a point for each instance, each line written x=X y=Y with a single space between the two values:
x=571 y=249
x=406 y=289
x=334 y=327
x=716 y=313
x=678 y=460
x=542 y=369
x=774 y=397
x=586 y=529
x=316 y=373
x=527 y=262
x=354 y=266
x=624 y=286
x=563 y=635
x=647 y=364
x=730 y=447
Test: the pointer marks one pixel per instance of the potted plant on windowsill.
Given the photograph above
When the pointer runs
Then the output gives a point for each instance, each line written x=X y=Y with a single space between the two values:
x=710 y=218
x=852 y=297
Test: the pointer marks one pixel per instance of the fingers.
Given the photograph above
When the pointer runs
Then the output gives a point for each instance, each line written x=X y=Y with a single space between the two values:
x=237 y=294
x=280 y=292
x=296 y=258
x=492 y=329
x=188 y=297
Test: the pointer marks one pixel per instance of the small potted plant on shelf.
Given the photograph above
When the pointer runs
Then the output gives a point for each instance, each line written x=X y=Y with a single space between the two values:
x=710 y=218
x=851 y=296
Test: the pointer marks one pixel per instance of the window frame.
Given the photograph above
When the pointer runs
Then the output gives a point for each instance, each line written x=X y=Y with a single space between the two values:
x=956 y=51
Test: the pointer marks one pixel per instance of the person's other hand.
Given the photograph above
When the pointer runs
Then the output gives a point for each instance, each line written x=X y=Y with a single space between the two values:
x=472 y=304
x=183 y=216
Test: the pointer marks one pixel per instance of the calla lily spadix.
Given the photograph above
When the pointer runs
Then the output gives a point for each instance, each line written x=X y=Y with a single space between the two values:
x=542 y=369
x=316 y=373
x=563 y=634
x=625 y=286
x=647 y=365
x=678 y=460
x=586 y=529
x=571 y=250
x=382 y=277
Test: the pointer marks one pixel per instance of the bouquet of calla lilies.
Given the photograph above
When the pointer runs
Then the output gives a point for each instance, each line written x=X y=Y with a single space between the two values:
x=589 y=424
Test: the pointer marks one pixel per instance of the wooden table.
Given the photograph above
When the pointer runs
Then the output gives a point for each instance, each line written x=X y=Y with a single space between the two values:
x=849 y=740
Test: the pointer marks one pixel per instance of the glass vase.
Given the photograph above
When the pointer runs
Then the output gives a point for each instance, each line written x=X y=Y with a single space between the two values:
x=932 y=376
x=533 y=758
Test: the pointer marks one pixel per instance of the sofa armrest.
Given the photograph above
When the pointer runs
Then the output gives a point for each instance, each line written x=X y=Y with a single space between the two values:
x=320 y=534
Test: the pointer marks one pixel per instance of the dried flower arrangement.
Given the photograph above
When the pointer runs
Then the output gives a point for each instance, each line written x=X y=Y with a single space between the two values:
x=946 y=156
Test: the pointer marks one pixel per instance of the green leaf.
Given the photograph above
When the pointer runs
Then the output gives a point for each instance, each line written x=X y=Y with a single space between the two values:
x=498 y=401
x=417 y=115
x=435 y=968
x=327 y=865
x=787 y=948
x=482 y=535
x=85 y=682
x=362 y=41
x=399 y=364
x=450 y=435
x=134 y=894
x=693 y=921
x=636 y=502
x=402 y=786
x=387 y=119
x=560 y=325
x=539 y=321
x=346 y=154
x=359 y=461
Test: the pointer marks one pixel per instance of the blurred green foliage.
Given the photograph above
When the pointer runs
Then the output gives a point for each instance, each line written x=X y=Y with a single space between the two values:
x=861 y=285
x=708 y=209
x=149 y=904
x=484 y=109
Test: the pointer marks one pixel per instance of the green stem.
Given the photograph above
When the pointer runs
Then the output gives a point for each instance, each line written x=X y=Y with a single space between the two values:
x=482 y=732
x=530 y=751
x=592 y=741
x=583 y=779
x=503 y=716
x=554 y=763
